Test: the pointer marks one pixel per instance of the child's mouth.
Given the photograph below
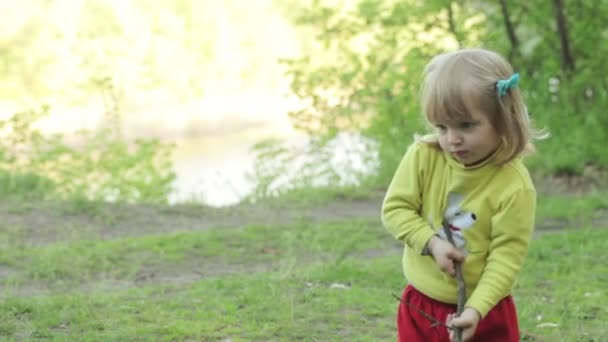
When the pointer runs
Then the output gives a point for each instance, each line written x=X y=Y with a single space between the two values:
x=461 y=154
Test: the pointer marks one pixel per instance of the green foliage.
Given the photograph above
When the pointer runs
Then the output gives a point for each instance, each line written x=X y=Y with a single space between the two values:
x=26 y=185
x=105 y=168
x=363 y=73
x=102 y=167
x=339 y=165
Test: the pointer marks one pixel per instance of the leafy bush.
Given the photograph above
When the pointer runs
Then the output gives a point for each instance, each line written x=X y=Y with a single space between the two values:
x=361 y=73
x=102 y=167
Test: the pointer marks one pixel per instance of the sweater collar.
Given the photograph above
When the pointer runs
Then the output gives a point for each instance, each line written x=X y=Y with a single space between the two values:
x=488 y=163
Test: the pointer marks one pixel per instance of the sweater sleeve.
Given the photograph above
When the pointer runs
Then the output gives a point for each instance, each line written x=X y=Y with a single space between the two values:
x=402 y=204
x=512 y=229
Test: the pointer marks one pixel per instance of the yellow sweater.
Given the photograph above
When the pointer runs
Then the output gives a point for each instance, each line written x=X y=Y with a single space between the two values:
x=489 y=209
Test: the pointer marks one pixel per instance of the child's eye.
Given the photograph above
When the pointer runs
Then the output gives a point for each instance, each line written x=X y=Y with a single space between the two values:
x=466 y=125
x=440 y=128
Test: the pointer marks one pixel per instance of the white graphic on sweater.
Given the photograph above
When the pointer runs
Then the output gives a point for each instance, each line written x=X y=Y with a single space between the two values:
x=457 y=220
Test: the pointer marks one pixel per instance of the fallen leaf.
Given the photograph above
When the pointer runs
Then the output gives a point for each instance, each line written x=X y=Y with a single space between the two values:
x=547 y=325
x=591 y=294
x=339 y=286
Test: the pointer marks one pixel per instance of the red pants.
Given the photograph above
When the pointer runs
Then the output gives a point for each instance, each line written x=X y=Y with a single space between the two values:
x=499 y=325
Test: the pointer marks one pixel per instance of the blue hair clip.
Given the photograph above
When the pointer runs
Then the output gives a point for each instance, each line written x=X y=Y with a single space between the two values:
x=502 y=86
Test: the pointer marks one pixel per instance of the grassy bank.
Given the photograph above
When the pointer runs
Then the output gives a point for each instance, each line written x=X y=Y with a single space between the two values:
x=293 y=280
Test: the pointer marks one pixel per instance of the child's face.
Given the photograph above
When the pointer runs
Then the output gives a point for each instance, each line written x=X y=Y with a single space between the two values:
x=469 y=141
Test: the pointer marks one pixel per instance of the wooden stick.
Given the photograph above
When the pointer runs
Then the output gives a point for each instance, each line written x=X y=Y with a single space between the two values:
x=462 y=294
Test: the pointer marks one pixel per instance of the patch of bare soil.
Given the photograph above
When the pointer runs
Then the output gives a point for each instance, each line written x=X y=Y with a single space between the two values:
x=591 y=179
x=43 y=223
x=599 y=219
x=37 y=224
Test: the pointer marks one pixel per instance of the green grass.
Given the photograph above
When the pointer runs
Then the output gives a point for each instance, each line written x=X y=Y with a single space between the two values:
x=299 y=282
x=564 y=282
x=78 y=261
x=571 y=207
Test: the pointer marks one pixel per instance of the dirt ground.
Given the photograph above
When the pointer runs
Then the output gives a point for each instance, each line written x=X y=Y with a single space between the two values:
x=44 y=223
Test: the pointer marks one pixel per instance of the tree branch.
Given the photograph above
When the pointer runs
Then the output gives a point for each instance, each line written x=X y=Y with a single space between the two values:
x=435 y=321
x=460 y=282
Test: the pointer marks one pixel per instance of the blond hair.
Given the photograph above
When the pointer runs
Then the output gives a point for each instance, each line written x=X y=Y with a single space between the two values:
x=458 y=83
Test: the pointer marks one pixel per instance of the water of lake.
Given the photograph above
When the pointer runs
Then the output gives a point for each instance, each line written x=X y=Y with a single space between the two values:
x=213 y=139
x=212 y=136
x=214 y=168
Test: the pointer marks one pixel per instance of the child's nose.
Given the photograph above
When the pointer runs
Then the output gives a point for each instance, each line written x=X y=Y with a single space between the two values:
x=454 y=138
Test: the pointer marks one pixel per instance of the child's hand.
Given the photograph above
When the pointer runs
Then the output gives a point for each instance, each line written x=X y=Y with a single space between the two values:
x=468 y=321
x=444 y=254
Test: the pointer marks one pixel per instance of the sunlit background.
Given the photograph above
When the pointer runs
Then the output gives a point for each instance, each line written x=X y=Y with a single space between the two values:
x=202 y=74
x=256 y=98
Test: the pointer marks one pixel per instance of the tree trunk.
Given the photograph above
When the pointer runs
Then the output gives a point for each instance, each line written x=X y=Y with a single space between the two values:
x=562 y=29
x=510 y=29
x=452 y=25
